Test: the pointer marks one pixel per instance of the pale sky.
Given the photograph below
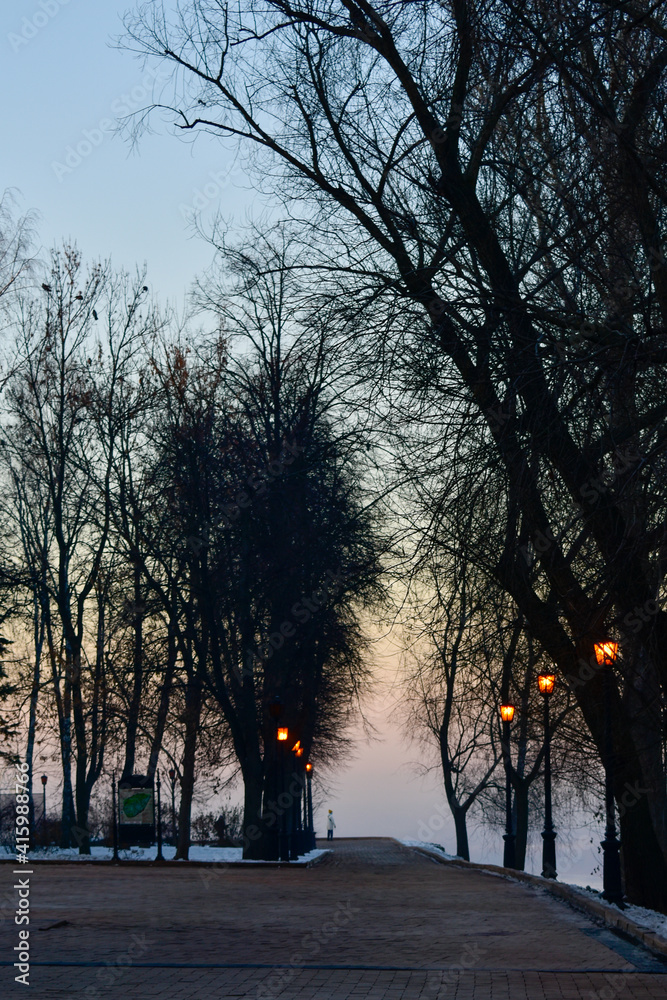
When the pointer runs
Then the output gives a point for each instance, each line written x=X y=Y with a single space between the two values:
x=64 y=88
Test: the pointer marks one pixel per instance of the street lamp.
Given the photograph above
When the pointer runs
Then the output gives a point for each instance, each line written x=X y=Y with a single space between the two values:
x=45 y=778
x=606 y=654
x=113 y=817
x=298 y=846
x=309 y=789
x=172 y=778
x=276 y=709
x=546 y=684
x=159 y=856
x=282 y=735
x=509 y=854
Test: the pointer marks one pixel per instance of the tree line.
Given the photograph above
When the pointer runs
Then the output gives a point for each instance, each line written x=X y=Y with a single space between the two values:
x=476 y=199
x=185 y=535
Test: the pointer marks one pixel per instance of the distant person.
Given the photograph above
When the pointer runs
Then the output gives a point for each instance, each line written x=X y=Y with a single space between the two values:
x=331 y=825
x=221 y=830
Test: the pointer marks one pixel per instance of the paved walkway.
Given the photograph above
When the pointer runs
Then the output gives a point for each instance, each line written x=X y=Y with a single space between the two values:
x=374 y=921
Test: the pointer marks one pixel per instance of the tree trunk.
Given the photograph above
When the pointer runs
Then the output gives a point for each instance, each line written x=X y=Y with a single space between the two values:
x=193 y=704
x=137 y=680
x=643 y=857
x=163 y=707
x=62 y=707
x=461 y=827
x=259 y=839
x=82 y=792
x=68 y=798
x=644 y=870
x=644 y=862
x=521 y=818
x=80 y=832
x=38 y=634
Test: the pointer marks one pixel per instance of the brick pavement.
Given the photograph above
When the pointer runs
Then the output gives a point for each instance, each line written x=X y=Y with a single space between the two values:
x=374 y=921
x=323 y=984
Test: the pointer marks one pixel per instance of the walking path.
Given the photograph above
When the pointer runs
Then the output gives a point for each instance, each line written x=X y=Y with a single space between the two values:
x=375 y=920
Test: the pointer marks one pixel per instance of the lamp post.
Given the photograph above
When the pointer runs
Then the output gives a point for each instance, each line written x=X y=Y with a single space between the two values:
x=546 y=684
x=304 y=811
x=276 y=709
x=45 y=778
x=297 y=846
x=309 y=795
x=172 y=778
x=113 y=817
x=605 y=654
x=159 y=856
x=282 y=735
x=509 y=854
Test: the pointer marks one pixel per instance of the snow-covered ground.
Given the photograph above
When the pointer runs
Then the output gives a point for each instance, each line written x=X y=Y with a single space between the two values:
x=431 y=847
x=649 y=920
x=227 y=855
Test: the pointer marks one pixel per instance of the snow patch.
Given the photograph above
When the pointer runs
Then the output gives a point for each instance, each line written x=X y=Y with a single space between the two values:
x=648 y=920
x=432 y=847
x=198 y=852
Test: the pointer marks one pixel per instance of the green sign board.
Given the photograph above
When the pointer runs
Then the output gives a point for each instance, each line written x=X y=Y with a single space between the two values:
x=136 y=806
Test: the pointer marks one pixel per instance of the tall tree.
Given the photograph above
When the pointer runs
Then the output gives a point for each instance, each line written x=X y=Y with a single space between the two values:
x=495 y=174
x=61 y=391
x=257 y=526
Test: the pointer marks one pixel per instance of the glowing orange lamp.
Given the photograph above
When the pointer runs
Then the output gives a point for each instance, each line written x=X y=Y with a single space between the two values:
x=507 y=712
x=546 y=683
x=606 y=653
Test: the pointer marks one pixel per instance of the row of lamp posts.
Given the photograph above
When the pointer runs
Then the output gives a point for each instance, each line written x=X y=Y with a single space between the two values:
x=605 y=654
x=295 y=832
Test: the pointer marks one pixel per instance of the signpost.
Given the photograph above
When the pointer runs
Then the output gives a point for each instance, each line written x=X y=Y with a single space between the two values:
x=136 y=807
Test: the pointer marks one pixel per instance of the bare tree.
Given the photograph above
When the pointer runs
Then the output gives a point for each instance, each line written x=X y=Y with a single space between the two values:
x=446 y=691
x=255 y=537
x=495 y=177
x=16 y=240
x=64 y=379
